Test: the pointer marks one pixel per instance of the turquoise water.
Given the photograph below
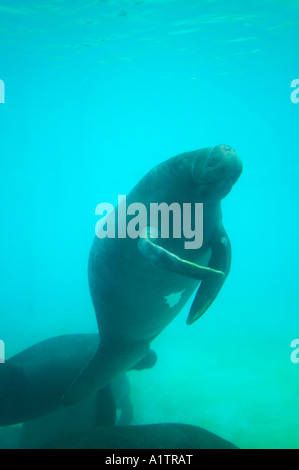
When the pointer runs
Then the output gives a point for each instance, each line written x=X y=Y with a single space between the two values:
x=96 y=94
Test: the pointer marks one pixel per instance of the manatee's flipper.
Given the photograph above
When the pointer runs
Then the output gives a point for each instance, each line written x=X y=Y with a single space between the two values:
x=164 y=259
x=106 y=364
x=104 y=413
x=209 y=288
x=147 y=362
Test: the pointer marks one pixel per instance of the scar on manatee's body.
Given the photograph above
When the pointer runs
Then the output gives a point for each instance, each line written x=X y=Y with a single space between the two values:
x=173 y=299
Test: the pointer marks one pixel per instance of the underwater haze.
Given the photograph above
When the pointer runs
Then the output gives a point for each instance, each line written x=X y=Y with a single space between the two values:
x=96 y=94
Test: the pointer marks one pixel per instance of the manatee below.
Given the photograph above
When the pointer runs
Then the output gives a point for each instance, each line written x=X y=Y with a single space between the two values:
x=97 y=410
x=138 y=285
x=33 y=381
x=150 y=436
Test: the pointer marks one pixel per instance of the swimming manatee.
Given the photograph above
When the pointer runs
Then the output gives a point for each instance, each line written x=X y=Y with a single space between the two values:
x=138 y=285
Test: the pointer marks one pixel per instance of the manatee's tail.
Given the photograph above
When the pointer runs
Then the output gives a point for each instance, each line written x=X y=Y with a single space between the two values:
x=106 y=364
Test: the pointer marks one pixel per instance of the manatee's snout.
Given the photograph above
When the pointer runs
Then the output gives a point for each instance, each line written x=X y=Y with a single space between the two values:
x=222 y=163
x=219 y=172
